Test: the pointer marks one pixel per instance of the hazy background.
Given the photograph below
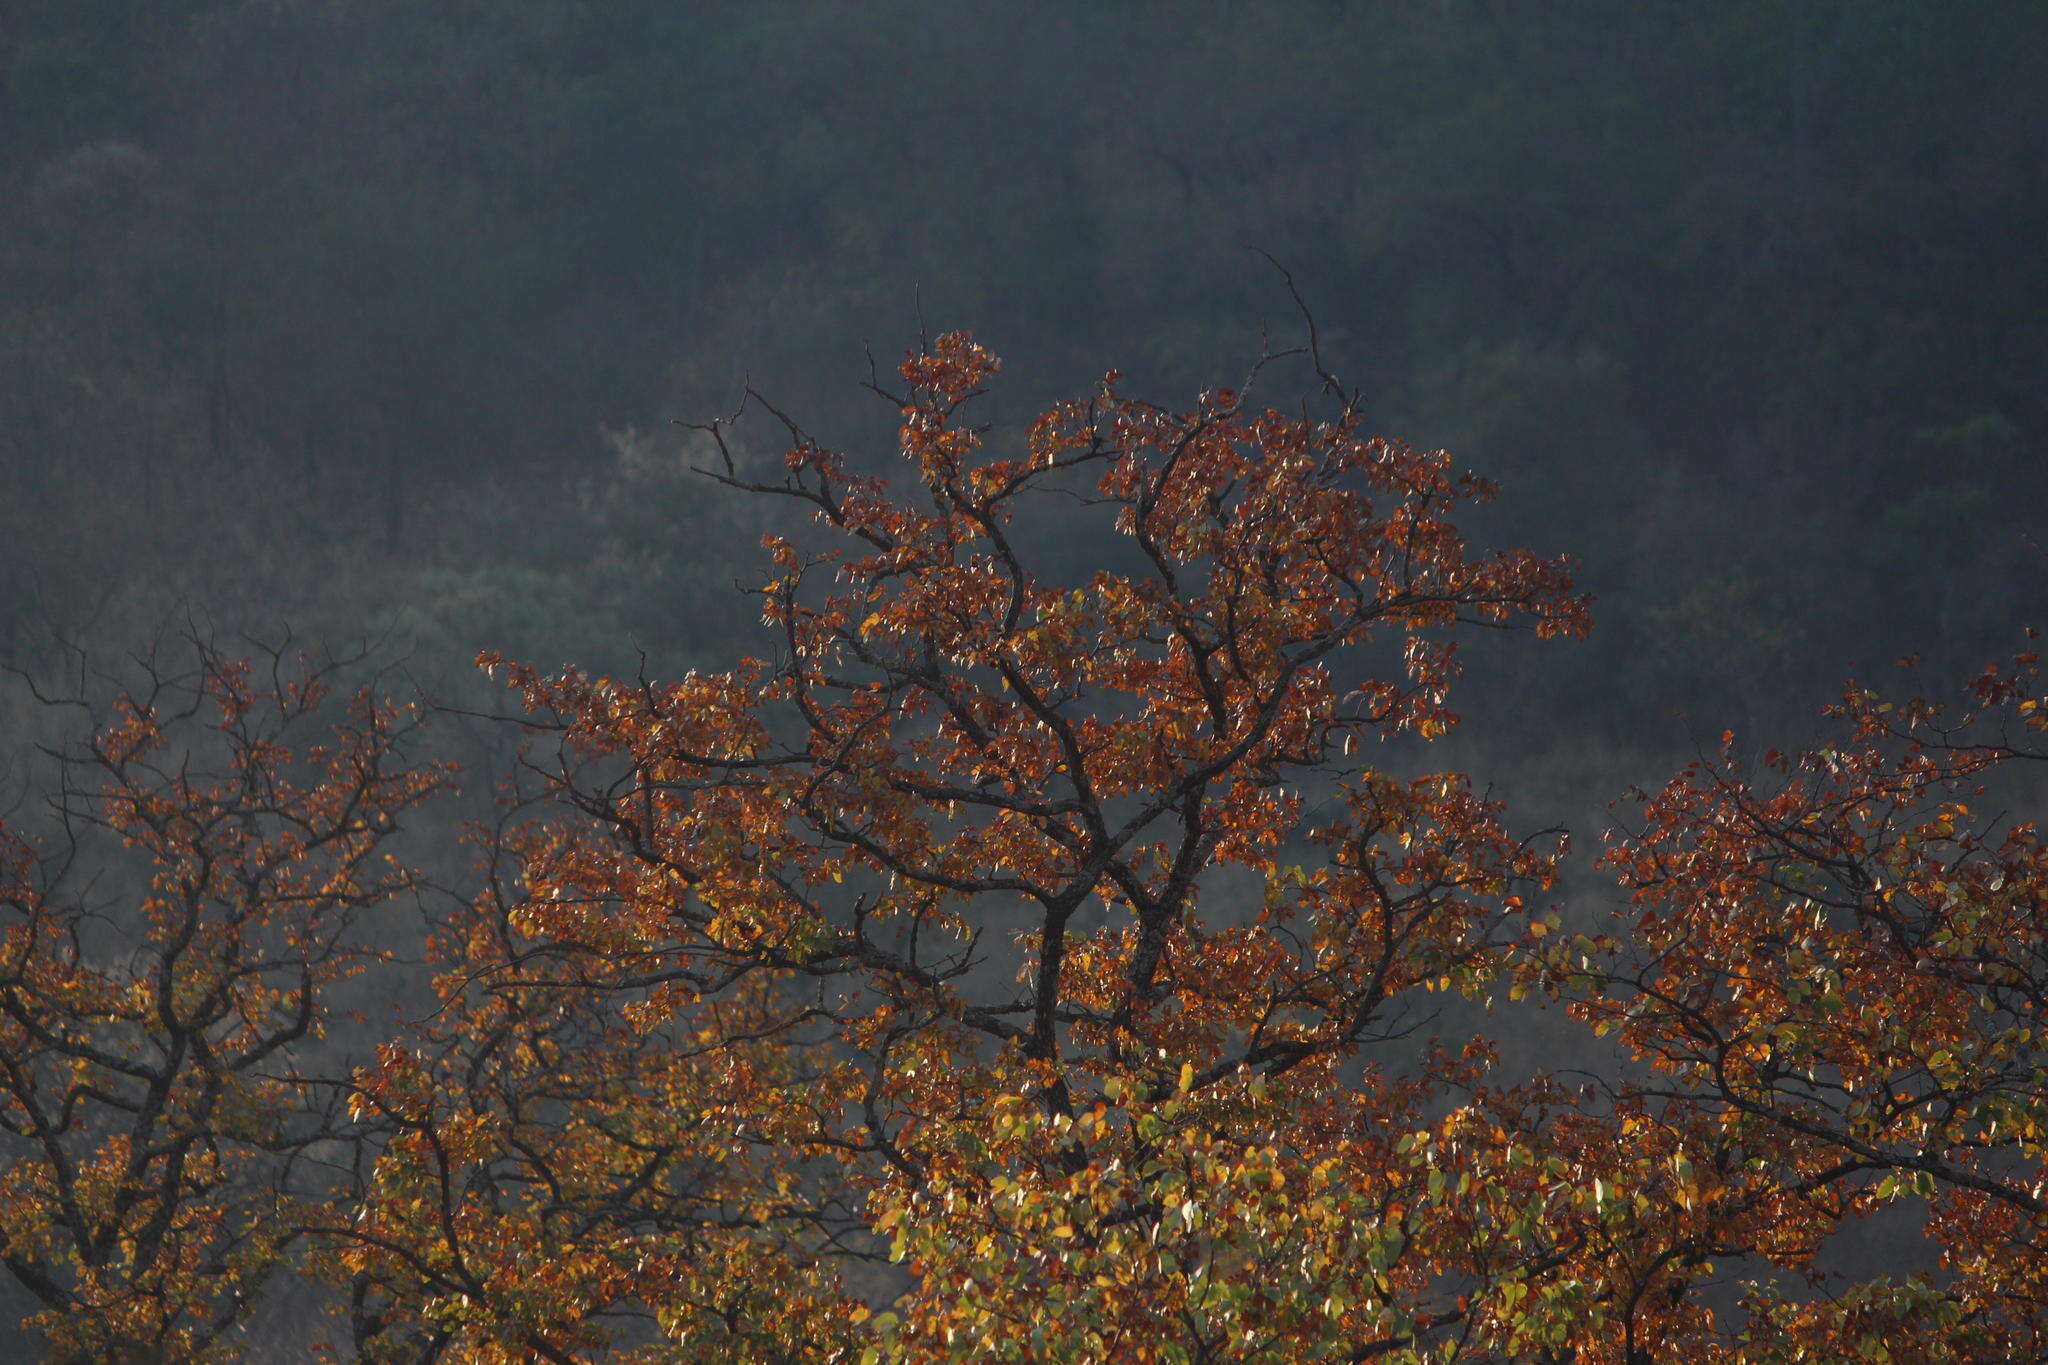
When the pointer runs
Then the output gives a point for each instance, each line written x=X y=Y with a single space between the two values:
x=368 y=317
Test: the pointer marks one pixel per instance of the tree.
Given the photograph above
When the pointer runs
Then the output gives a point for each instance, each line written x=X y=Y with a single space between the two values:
x=1080 y=941
x=158 y=1118
x=1028 y=963
x=1837 y=971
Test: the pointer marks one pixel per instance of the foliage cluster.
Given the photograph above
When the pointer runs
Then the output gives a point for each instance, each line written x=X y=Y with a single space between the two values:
x=1030 y=963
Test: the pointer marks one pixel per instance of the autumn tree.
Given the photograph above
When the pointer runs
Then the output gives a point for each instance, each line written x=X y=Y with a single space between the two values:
x=1835 y=966
x=166 y=953
x=1029 y=960
x=1045 y=943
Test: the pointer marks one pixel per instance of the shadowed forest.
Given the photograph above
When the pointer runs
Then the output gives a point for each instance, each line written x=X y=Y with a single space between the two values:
x=372 y=315
x=398 y=330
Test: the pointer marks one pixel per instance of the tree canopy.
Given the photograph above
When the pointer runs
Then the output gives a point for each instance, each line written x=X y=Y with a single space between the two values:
x=1036 y=956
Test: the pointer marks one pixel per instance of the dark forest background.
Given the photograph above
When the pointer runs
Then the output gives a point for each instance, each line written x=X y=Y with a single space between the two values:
x=370 y=315
x=368 y=318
